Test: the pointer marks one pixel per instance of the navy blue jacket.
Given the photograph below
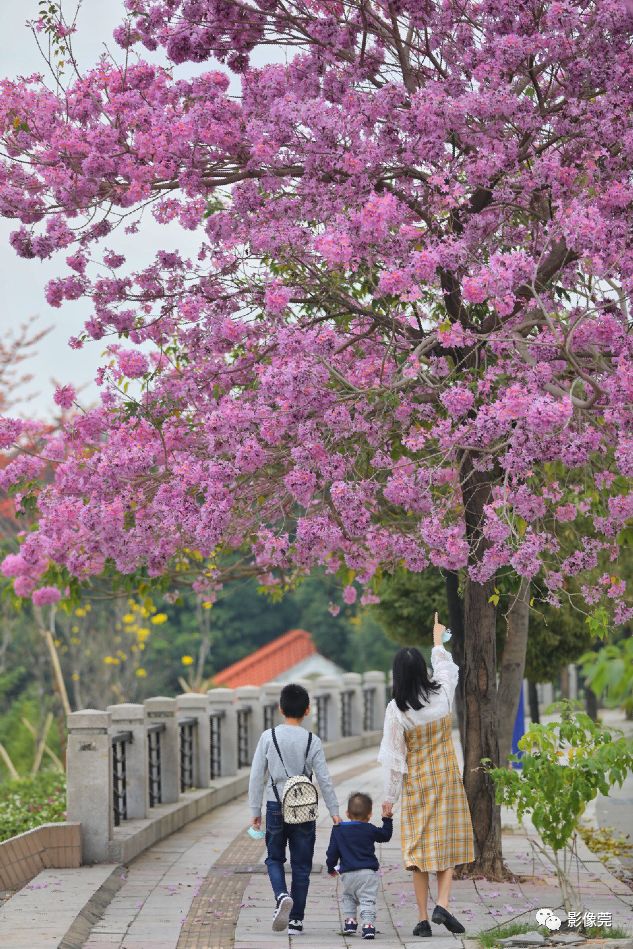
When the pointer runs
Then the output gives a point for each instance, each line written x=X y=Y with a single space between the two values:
x=352 y=844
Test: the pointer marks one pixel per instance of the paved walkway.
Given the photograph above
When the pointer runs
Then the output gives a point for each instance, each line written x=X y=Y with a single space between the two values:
x=616 y=811
x=205 y=887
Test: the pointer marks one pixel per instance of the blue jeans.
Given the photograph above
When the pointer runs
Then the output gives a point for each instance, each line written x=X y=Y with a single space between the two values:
x=300 y=840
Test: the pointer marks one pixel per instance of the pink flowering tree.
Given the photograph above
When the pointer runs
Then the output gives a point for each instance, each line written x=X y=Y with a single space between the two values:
x=404 y=338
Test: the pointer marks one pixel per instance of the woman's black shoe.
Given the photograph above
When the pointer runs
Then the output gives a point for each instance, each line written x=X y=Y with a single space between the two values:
x=423 y=928
x=443 y=917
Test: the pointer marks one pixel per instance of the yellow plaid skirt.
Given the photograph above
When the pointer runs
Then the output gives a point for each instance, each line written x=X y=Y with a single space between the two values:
x=436 y=829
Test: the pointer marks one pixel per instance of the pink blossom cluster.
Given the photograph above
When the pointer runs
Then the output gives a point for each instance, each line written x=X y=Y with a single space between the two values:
x=412 y=272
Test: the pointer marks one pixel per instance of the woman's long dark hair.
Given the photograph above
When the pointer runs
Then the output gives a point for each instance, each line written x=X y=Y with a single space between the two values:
x=412 y=686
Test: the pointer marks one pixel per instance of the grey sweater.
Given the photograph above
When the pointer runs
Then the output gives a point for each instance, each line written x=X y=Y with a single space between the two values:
x=292 y=740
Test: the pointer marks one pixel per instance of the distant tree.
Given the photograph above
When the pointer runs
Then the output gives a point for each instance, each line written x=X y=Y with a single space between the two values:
x=407 y=604
x=370 y=646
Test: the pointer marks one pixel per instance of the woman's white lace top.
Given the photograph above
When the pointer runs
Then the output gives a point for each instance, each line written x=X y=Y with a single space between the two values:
x=393 y=749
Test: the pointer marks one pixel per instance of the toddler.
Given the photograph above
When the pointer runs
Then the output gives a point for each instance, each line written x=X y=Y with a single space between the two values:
x=353 y=847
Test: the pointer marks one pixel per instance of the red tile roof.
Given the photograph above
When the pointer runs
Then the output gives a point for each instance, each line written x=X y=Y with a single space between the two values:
x=268 y=662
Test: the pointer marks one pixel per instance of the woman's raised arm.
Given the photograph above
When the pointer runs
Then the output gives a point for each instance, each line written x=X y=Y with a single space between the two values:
x=444 y=669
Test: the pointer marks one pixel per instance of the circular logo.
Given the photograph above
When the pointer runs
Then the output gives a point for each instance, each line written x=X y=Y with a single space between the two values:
x=547 y=917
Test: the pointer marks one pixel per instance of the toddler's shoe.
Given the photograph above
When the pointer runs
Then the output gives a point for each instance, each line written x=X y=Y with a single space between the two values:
x=351 y=927
x=295 y=926
x=282 y=913
x=369 y=931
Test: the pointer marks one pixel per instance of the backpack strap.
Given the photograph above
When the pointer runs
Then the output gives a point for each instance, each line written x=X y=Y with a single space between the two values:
x=274 y=786
x=276 y=744
x=307 y=753
x=278 y=750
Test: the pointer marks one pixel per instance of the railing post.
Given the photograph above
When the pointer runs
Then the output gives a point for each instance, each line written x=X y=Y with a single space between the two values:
x=162 y=710
x=222 y=701
x=352 y=704
x=270 y=704
x=374 y=700
x=89 y=793
x=131 y=718
x=250 y=722
x=327 y=703
x=195 y=705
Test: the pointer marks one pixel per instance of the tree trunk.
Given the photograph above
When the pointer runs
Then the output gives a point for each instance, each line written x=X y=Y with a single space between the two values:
x=535 y=716
x=564 y=682
x=512 y=667
x=591 y=703
x=58 y=676
x=480 y=683
x=456 y=623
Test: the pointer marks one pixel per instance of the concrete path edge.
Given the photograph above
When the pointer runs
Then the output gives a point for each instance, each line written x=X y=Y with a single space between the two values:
x=94 y=908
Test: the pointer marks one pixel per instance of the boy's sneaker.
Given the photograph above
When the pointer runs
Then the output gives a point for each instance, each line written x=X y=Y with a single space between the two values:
x=295 y=926
x=350 y=927
x=282 y=913
x=369 y=931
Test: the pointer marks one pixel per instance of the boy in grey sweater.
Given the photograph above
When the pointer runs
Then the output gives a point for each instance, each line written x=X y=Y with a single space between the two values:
x=300 y=754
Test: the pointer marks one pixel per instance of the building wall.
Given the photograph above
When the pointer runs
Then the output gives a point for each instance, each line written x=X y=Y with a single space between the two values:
x=313 y=666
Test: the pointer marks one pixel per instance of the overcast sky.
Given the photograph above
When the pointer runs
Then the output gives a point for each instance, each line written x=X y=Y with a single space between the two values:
x=22 y=282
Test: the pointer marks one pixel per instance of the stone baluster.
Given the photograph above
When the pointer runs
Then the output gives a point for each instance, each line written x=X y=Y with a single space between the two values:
x=195 y=705
x=270 y=703
x=374 y=685
x=132 y=718
x=327 y=704
x=353 y=683
x=89 y=776
x=162 y=710
x=222 y=701
x=250 y=713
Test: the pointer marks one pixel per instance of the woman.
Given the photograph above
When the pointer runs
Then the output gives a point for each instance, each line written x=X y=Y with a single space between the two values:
x=419 y=761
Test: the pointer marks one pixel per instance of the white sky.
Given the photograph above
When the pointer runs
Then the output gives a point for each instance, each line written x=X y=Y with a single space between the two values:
x=22 y=282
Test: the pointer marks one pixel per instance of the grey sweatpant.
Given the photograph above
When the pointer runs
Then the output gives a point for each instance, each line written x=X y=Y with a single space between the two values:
x=360 y=890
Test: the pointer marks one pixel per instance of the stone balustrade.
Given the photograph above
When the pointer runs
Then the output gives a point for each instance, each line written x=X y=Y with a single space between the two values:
x=138 y=772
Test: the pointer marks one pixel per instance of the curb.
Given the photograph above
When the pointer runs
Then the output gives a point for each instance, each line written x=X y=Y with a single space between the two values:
x=587 y=856
x=92 y=911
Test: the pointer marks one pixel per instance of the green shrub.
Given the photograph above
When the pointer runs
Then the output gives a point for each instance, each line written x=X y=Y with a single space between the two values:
x=609 y=672
x=565 y=764
x=29 y=802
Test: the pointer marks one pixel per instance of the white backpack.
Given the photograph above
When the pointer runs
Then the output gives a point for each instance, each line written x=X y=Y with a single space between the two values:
x=299 y=801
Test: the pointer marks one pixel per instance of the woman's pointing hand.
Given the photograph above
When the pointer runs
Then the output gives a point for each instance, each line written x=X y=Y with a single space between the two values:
x=438 y=632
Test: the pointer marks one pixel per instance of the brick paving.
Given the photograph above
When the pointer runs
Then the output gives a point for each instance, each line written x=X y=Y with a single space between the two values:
x=215 y=911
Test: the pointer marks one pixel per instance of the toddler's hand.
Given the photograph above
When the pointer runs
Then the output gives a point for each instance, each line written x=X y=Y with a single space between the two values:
x=387 y=809
x=332 y=873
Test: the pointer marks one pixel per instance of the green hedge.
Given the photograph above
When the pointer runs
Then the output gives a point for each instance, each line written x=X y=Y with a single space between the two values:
x=29 y=802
